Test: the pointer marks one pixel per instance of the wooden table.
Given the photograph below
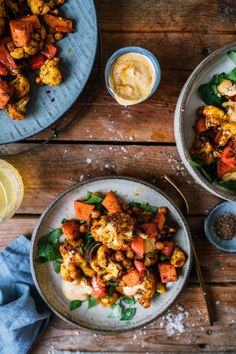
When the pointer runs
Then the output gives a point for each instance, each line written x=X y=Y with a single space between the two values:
x=138 y=141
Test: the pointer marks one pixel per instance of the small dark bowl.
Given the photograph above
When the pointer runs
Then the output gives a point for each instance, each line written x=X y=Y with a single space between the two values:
x=221 y=244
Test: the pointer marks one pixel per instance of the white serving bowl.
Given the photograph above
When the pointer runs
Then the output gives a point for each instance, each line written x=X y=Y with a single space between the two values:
x=185 y=113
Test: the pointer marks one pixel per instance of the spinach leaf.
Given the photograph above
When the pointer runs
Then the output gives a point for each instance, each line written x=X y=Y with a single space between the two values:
x=231 y=185
x=209 y=172
x=232 y=75
x=232 y=55
x=75 y=304
x=48 y=249
x=57 y=265
x=128 y=300
x=116 y=311
x=92 y=302
x=92 y=199
x=88 y=240
x=129 y=314
x=163 y=257
x=64 y=220
x=110 y=290
x=144 y=207
x=209 y=95
x=54 y=235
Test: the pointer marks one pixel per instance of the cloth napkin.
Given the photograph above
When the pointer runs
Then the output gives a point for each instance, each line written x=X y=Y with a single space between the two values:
x=23 y=315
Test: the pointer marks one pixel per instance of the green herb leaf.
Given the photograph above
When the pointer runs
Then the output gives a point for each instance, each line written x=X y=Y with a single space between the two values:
x=75 y=304
x=116 y=311
x=57 y=265
x=232 y=55
x=128 y=300
x=42 y=245
x=207 y=171
x=232 y=75
x=231 y=185
x=54 y=235
x=129 y=314
x=163 y=257
x=92 y=199
x=42 y=259
x=110 y=290
x=82 y=222
x=208 y=95
x=64 y=220
x=92 y=302
x=144 y=207
x=88 y=240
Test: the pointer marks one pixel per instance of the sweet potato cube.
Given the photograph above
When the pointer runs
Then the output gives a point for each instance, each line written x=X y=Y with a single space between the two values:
x=71 y=230
x=82 y=210
x=168 y=248
x=150 y=229
x=132 y=278
x=6 y=92
x=111 y=203
x=20 y=32
x=167 y=272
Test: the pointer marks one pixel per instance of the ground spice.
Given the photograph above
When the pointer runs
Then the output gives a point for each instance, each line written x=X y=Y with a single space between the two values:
x=225 y=226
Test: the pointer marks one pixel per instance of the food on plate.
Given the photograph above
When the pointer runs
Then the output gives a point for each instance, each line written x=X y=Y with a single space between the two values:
x=214 y=147
x=28 y=32
x=113 y=252
x=132 y=78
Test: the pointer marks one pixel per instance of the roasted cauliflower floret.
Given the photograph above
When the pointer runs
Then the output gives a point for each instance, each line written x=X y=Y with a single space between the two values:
x=203 y=152
x=108 y=301
x=17 y=110
x=69 y=271
x=227 y=88
x=21 y=86
x=146 y=293
x=83 y=265
x=38 y=7
x=214 y=116
x=115 y=231
x=229 y=127
x=231 y=110
x=177 y=258
x=49 y=73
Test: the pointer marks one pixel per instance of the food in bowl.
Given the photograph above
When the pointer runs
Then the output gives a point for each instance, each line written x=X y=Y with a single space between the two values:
x=132 y=78
x=213 y=150
x=28 y=32
x=114 y=252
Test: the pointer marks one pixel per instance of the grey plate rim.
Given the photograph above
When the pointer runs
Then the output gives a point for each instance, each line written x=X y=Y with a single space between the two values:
x=179 y=122
x=206 y=222
x=68 y=190
x=76 y=98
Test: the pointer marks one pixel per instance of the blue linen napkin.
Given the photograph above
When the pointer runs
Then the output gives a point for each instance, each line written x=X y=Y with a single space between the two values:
x=23 y=315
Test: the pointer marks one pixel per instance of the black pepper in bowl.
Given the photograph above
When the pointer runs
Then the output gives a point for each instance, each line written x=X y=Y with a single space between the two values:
x=225 y=226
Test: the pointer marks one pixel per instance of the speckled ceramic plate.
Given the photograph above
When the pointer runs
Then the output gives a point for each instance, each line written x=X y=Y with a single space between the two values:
x=77 y=52
x=185 y=113
x=48 y=282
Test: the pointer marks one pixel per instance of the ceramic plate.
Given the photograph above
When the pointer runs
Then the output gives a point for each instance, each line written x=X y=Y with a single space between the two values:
x=77 y=53
x=185 y=113
x=48 y=282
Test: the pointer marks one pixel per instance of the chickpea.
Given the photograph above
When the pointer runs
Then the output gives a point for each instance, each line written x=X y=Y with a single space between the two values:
x=159 y=245
x=83 y=228
x=95 y=214
x=38 y=81
x=127 y=263
x=119 y=256
x=130 y=254
x=58 y=36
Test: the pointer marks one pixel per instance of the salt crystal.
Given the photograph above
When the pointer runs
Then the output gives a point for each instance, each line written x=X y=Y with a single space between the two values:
x=88 y=160
x=217 y=302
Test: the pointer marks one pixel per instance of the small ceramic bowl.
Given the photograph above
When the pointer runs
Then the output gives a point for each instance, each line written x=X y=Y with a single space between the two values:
x=221 y=244
x=133 y=49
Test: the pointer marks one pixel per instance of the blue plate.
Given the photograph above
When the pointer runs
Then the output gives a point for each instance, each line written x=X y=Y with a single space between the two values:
x=133 y=49
x=223 y=245
x=77 y=52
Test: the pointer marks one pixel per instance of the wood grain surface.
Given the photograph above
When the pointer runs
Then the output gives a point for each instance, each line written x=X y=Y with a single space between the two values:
x=138 y=141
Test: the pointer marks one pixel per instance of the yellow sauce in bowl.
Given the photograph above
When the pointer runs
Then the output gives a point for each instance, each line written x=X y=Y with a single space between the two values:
x=131 y=78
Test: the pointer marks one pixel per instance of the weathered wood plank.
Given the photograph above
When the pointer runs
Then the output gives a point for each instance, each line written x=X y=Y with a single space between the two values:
x=216 y=266
x=55 y=167
x=197 y=336
x=161 y=16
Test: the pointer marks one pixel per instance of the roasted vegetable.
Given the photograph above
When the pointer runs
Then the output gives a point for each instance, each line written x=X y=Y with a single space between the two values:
x=49 y=73
x=6 y=93
x=17 y=110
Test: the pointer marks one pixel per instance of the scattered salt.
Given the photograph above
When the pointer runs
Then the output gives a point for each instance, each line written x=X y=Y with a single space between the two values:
x=173 y=322
x=88 y=160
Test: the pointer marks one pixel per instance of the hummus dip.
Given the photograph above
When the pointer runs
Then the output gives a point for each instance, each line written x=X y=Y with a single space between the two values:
x=131 y=78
